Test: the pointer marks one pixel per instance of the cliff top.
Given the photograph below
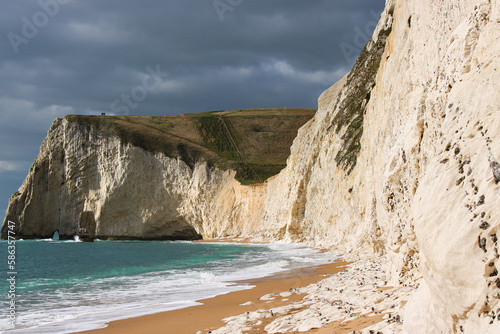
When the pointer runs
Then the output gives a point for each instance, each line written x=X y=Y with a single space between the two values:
x=254 y=142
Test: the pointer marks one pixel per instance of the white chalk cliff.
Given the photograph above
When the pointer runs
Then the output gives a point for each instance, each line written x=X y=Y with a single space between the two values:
x=400 y=160
x=85 y=178
x=422 y=189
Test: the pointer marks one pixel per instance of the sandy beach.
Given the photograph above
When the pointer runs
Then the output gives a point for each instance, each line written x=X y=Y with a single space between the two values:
x=208 y=316
x=340 y=297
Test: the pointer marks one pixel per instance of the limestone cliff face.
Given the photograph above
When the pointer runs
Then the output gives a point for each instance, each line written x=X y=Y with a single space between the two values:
x=89 y=183
x=396 y=161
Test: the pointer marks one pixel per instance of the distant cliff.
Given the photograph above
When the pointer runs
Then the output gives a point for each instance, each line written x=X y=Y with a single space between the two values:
x=401 y=159
x=171 y=177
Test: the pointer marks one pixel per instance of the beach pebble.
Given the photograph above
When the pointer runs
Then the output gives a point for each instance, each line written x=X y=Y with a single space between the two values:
x=270 y=296
x=247 y=303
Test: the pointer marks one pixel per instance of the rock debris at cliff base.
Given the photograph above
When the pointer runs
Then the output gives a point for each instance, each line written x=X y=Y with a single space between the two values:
x=357 y=298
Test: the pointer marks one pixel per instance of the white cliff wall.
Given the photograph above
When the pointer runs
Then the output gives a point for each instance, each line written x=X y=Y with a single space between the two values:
x=422 y=189
x=127 y=191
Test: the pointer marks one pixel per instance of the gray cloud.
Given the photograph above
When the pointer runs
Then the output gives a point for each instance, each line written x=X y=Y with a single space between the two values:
x=87 y=53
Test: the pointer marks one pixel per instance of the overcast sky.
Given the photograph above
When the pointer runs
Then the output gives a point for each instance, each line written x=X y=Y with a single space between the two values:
x=60 y=57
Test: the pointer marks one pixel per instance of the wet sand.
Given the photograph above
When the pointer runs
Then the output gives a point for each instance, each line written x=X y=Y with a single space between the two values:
x=209 y=315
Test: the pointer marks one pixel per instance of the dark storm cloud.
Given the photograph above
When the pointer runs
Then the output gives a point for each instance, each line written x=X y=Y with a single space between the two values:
x=79 y=56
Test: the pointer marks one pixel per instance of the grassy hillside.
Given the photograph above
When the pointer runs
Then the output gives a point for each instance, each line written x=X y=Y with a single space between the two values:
x=256 y=142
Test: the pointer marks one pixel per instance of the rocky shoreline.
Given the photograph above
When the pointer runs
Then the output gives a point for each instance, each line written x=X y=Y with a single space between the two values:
x=358 y=299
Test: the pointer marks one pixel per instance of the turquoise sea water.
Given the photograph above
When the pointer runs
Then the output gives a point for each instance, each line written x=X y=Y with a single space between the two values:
x=67 y=286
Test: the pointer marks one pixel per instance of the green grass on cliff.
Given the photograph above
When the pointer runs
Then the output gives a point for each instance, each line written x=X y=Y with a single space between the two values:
x=255 y=143
x=361 y=80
